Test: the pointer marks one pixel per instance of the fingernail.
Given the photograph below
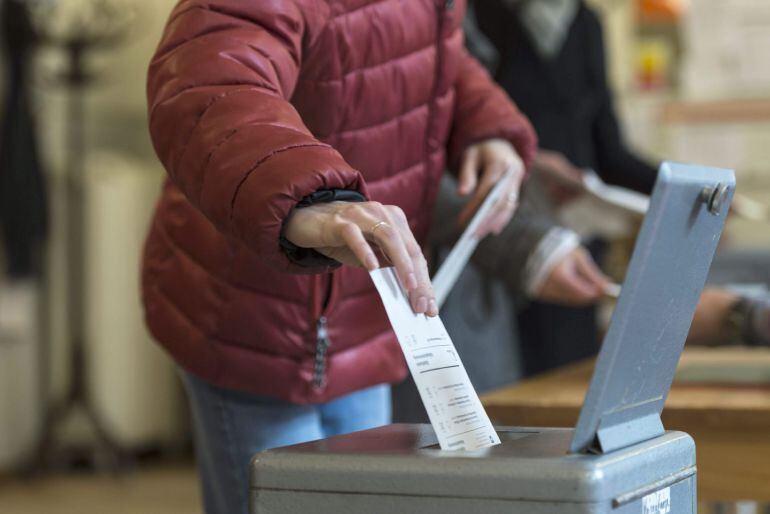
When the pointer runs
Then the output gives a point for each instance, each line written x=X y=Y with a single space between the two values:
x=411 y=281
x=432 y=307
x=372 y=263
x=422 y=304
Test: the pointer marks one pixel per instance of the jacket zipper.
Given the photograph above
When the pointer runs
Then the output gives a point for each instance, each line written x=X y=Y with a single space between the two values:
x=322 y=338
x=321 y=345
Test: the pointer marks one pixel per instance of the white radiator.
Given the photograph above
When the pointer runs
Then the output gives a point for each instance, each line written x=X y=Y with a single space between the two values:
x=132 y=382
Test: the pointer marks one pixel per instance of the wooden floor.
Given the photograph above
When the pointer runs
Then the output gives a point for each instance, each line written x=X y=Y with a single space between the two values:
x=166 y=489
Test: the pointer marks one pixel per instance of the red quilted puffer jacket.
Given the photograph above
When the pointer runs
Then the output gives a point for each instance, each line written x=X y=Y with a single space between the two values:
x=255 y=104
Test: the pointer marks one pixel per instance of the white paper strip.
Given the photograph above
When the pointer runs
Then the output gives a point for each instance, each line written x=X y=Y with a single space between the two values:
x=453 y=265
x=454 y=408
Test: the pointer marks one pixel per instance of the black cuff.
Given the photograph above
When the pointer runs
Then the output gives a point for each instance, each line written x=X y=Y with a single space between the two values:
x=308 y=257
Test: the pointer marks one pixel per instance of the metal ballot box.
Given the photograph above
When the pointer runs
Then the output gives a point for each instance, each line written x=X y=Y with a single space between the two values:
x=618 y=459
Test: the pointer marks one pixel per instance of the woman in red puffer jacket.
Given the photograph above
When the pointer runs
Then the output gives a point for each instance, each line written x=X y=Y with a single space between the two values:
x=297 y=135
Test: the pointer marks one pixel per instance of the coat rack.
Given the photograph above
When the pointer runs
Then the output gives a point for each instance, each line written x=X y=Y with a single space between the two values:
x=95 y=25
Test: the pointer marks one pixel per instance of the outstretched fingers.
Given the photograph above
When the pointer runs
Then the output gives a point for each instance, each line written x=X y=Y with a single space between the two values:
x=423 y=298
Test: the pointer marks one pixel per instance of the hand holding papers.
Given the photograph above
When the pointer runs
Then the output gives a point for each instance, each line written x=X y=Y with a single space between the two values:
x=453 y=265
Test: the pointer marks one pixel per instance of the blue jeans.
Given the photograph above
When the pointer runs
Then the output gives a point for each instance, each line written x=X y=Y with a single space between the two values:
x=231 y=426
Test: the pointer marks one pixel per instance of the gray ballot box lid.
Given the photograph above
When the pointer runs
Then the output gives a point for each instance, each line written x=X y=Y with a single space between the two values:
x=666 y=275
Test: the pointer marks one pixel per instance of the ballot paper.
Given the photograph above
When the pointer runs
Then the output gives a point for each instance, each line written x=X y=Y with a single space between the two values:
x=453 y=265
x=612 y=290
x=454 y=408
x=613 y=195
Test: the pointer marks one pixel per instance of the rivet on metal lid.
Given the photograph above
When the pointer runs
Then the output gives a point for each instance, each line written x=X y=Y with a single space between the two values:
x=715 y=197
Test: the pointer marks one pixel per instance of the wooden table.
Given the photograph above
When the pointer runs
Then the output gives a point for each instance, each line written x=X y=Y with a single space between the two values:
x=730 y=421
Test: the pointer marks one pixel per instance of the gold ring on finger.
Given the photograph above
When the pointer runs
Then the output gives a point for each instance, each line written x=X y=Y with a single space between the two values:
x=377 y=225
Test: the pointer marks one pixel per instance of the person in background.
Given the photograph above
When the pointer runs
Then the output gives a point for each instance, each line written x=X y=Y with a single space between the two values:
x=549 y=57
x=304 y=141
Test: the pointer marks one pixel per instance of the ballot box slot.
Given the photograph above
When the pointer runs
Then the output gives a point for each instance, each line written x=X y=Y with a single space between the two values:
x=504 y=435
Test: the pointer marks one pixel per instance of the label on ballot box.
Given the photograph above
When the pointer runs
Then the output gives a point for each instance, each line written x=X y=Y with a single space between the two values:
x=658 y=502
x=453 y=407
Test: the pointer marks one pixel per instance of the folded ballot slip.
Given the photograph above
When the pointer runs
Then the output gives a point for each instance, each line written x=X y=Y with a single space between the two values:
x=453 y=407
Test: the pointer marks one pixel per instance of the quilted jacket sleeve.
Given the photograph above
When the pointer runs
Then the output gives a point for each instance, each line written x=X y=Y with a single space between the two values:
x=483 y=111
x=221 y=122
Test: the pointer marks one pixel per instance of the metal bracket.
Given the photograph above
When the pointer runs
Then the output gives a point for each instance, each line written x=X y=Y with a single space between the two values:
x=614 y=436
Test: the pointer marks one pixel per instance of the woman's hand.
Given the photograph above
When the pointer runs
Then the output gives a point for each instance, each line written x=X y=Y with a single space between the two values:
x=344 y=231
x=482 y=166
x=576 y=280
